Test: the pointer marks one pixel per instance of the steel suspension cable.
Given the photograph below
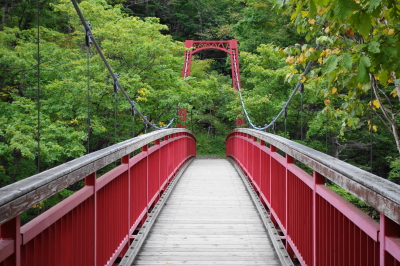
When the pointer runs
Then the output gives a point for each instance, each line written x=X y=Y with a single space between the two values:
x=38 y=84
x=113 y=75
x=371 y=128
x=326 y=133
x=299 y=85
x=301 y=111
x=88 y=45
x=115 y=110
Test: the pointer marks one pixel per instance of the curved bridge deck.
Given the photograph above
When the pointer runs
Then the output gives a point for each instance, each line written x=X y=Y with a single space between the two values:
x=209 y=219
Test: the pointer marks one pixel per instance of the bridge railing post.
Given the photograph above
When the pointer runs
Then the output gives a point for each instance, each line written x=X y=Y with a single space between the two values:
x=389 y=234
x=90 y=181
x=289 y=160
x=10 y=242
x=271 y=167
x=318 y=179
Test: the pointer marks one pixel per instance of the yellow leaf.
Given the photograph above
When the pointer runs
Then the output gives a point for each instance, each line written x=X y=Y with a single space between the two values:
x=304 y=14
x=288 y=75
x=394 y=93
x=290 y=60
x=300 y=59
x=375 y=128
x=303 y=79
x=333 y=90
x=327 y=29
x=141 y=99
x=311 y=21
x=376 y=103
x=326 y=95
x=391 y=32
x=322 y=11
x=327 y=102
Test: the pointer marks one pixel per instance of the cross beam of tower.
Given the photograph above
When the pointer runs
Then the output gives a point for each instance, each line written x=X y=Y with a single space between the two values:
x=229 y=47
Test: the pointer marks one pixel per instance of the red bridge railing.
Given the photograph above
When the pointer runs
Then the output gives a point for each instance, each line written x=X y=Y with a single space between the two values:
x=96 y=224
x=319 y=227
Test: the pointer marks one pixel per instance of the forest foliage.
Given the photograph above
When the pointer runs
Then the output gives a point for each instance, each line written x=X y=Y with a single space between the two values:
x=349 y=107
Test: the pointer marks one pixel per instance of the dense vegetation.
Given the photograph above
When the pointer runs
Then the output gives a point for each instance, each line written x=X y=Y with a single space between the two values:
x=350 y=101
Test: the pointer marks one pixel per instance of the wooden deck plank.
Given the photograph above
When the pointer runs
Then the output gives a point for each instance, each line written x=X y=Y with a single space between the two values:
x=209 y=219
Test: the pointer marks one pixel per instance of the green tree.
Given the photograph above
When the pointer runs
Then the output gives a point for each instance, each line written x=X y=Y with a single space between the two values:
x=359 y=52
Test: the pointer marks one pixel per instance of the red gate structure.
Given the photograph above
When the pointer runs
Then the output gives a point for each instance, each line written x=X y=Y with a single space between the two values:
x=229 y=47
x=318 y=226
x=96 y=224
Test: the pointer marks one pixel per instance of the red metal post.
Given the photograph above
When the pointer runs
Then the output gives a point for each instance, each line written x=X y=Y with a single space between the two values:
x=318 y=180
x=319 y=226
x=10 y=242
x=289 y=160
x=90 y=181
x=389 y=230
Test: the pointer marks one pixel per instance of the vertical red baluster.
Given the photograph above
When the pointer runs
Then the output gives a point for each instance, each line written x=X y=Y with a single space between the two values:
x=146 y=176
x=91 y=181
x=388 y=228
x=318 y=180
x=271 y=167
x=10 y=230
x=289 y=160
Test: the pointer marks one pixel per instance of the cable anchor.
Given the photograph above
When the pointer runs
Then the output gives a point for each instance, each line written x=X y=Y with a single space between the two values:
x=88 y=34
x=301 y=87
x=285 y=109
x=115 y=76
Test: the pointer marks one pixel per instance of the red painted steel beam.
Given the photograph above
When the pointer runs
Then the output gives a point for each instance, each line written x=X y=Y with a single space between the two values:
x=230 y=47
x=7 y=248
x=94 y=225
x=319 y=226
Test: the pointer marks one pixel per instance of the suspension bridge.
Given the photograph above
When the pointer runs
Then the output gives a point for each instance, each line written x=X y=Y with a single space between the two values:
x=161 y=205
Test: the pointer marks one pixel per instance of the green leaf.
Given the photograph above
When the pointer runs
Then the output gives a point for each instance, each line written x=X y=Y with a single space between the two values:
x=343 y=8
x=362 y=73
x=373 y=47
x=346 y=61
x=383 y=77
x=331 y=63
x=360 y=47
x=390 y=51
x=365 y=23
x=364 y=60
x=373 y=4
x=313 y=8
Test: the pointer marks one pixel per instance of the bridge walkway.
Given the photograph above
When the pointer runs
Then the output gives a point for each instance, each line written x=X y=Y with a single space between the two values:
x=209 y=219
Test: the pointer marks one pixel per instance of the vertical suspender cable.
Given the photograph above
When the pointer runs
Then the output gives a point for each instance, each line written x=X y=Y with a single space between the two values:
x=326 y=133
x=133 y=122
x=115 y=108
x=370 y=132
x=88 y=100
x=301 y=110
x=88 y=41
x=285 y=115
x=38 y=85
